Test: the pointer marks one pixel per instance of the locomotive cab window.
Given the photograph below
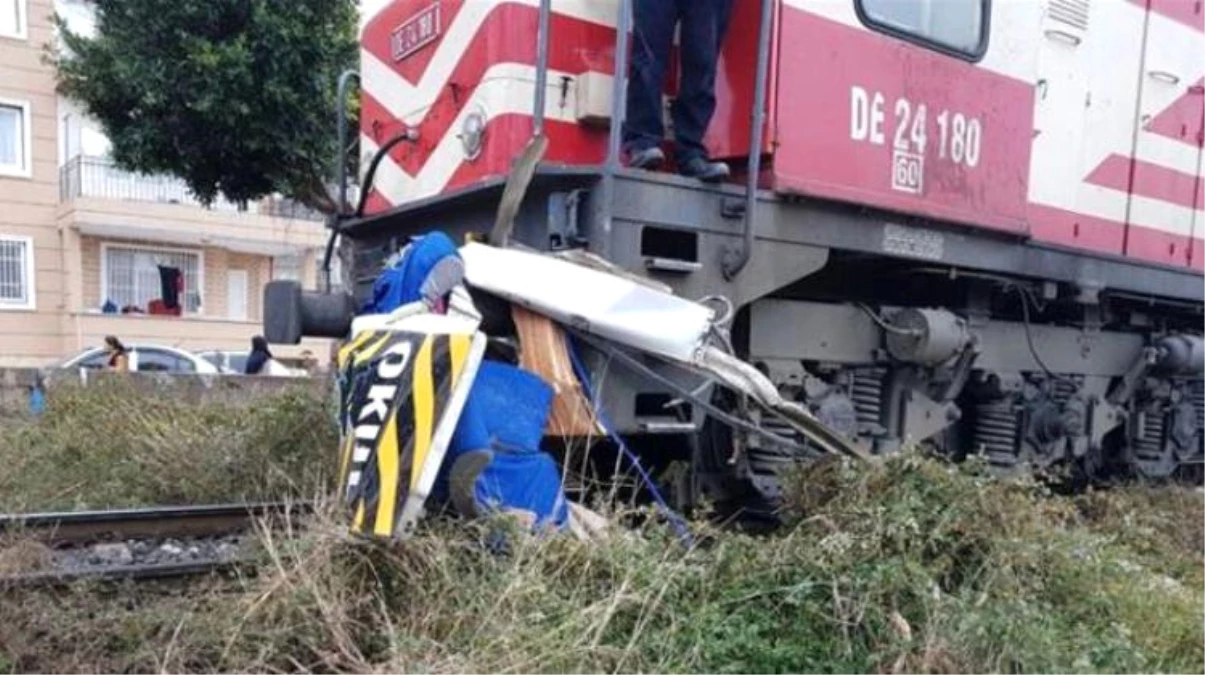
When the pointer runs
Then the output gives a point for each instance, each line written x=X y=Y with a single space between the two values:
x=955 y=27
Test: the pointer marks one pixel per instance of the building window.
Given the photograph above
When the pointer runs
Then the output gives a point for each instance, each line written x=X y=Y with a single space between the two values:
x=131 y=278
x=16 y=273
x=956 y=27
x=12 y=19
x=14 y=137
x=286 y=267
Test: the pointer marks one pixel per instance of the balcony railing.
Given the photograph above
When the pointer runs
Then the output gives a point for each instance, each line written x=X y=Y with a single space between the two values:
x=100 y=178
x=287 y=208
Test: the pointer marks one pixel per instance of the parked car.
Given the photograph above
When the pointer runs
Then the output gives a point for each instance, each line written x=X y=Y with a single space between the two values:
x=146 y=358
x=236 y=362
x=227 y=362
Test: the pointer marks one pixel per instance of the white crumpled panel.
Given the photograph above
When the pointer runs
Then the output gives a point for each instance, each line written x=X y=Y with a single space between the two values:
x=595 y=302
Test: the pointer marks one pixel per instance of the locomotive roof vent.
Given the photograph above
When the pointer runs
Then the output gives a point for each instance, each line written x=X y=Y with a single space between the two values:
x=1071 y=12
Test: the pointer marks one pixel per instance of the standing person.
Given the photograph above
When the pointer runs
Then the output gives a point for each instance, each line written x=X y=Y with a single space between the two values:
x=260 y=356
x=37 y=395
x=703 y=23
x=119 y=356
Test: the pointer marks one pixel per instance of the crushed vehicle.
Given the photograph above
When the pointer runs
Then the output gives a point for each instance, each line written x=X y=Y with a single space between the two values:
x=419 y=395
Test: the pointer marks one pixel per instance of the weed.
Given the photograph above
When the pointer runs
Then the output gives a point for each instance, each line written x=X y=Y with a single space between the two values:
x=906 y=566
x=110 y=444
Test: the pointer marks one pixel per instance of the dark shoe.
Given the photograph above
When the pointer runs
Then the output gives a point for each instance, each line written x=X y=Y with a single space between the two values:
x=462 y=481
x=648 y=158
x=708 y=172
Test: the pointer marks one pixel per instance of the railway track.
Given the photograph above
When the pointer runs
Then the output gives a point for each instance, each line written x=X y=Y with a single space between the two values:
x=171 y=542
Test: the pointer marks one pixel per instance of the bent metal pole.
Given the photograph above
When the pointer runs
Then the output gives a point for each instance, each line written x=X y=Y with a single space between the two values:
x=541 y=67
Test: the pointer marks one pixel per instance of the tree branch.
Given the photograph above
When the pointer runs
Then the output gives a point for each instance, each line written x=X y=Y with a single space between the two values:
x=318 y=197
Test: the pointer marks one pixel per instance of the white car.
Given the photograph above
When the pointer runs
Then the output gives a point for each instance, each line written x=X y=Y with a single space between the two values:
x=228 y=362
x=146 y=359
x=236 y=363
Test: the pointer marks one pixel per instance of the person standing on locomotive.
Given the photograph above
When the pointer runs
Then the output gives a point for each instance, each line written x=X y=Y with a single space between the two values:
x=703 y=23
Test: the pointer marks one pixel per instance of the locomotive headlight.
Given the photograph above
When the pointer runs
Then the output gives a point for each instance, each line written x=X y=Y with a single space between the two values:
x=472 y=133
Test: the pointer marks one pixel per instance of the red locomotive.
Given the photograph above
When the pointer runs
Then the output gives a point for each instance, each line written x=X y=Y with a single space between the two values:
x=976 y=224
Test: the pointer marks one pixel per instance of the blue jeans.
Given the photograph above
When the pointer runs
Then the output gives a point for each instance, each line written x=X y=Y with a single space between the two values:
x=703 y=25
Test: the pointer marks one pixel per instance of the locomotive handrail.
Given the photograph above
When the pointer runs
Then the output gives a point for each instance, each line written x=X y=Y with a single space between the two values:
x=537 y=122
x=341 y=129
x=334 y=221
x=736 y=259
x=618 y=92
x=619 y=87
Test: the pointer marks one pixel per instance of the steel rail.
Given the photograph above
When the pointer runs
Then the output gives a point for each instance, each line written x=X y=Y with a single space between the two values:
x=157 y=571
x=135 y=523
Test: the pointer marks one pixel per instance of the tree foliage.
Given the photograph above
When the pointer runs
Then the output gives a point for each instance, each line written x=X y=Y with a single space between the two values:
x=235 y=97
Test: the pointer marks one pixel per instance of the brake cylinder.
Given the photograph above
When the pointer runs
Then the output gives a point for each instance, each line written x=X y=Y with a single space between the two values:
x=1182 y=354
x=926 y=336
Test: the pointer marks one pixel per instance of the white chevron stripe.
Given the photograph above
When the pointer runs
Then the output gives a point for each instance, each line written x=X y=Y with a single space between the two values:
x=1156 y=214
x=1167 y=153
x=1109 y=204
x=507 y=88
x=401 y=99
x=456 y=39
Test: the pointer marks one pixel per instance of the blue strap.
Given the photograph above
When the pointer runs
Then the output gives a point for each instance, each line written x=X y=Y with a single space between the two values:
x=583 y=376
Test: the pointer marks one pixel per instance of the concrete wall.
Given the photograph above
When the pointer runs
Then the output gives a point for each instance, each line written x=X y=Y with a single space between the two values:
x=14 y=394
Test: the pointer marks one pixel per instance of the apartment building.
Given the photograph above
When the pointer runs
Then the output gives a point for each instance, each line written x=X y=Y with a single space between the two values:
x=82 y=242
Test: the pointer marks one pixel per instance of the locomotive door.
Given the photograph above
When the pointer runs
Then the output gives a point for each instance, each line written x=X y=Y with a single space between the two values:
x=1060 y=120
x=1164 y=176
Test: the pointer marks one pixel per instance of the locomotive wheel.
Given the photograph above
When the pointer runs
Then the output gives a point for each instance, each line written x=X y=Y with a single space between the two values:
x=722 y=478
x=1152 y=465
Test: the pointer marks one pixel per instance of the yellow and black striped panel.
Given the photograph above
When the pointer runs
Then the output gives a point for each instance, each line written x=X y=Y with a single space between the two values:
x=394 y=459
x=358 y=375
x=343 y=359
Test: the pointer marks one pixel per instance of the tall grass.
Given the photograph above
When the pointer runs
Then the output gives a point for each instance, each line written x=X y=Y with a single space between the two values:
x=905 y=566
x=111 y=444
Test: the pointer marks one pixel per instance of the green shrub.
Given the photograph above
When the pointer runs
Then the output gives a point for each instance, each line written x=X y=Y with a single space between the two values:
x=111 y=444
x=906 y=566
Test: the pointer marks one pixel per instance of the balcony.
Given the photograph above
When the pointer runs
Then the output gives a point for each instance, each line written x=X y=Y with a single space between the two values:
x=97 y=199
x=95 y=177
